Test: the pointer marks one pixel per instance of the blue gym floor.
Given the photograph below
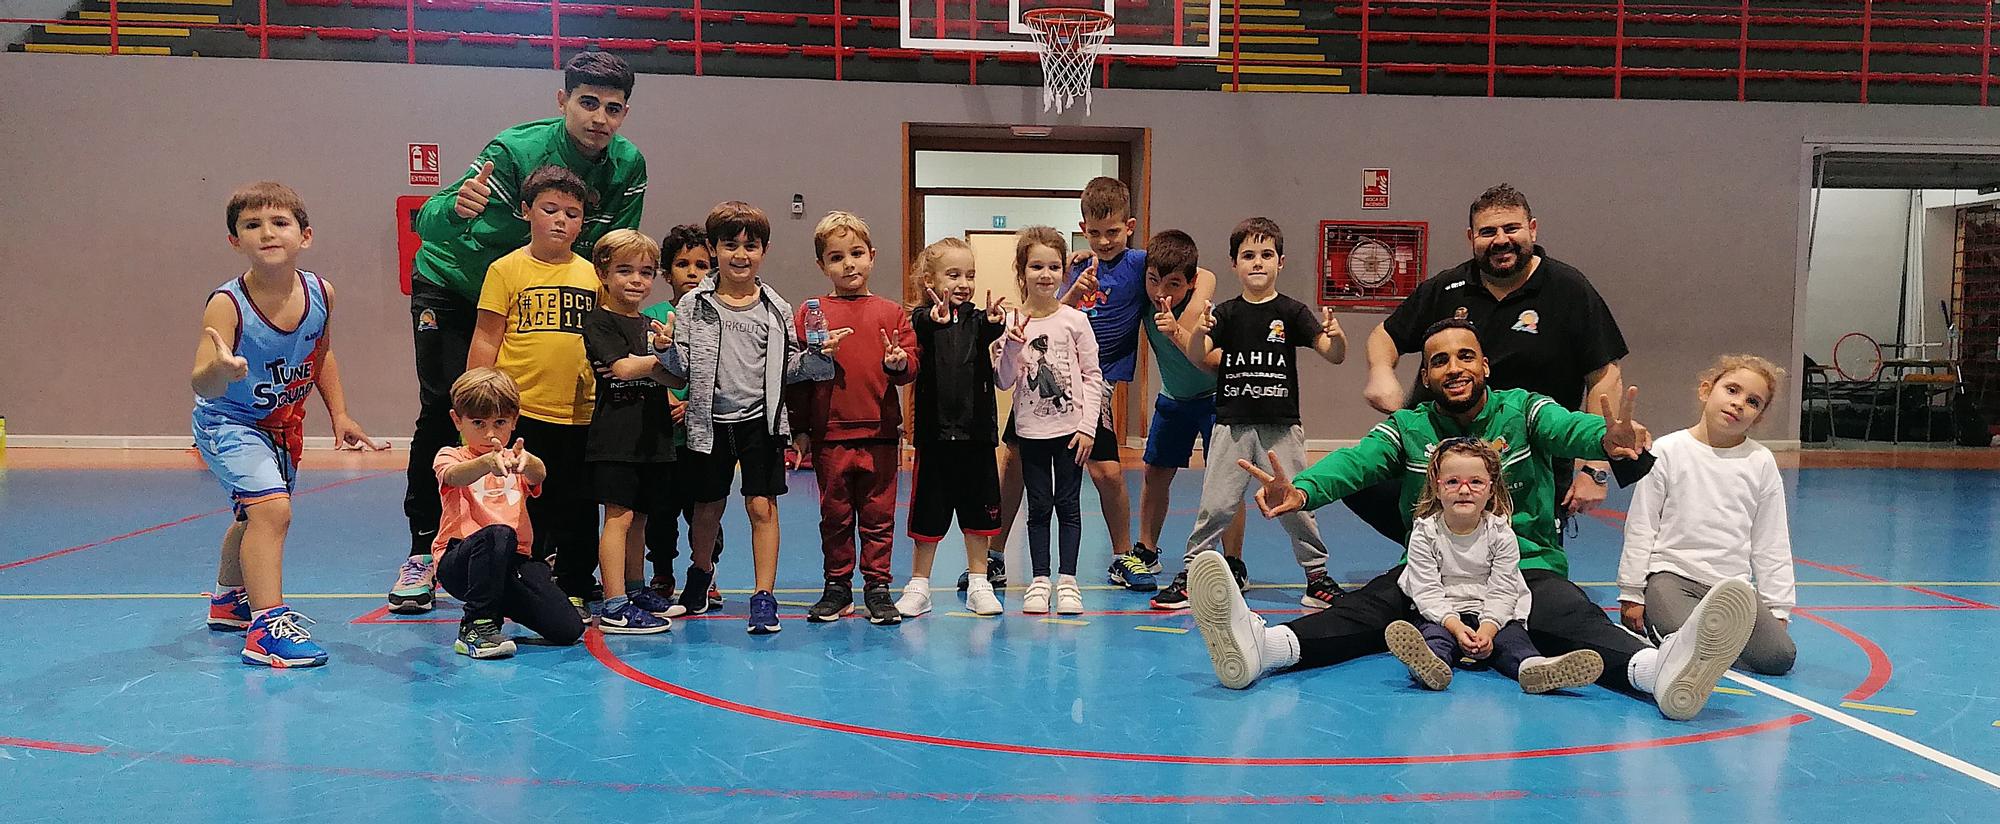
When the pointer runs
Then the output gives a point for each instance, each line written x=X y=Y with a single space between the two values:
x=116 y=703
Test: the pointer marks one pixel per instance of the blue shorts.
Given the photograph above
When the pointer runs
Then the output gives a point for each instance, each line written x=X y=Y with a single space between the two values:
x=1176 y=423
x=248 y=461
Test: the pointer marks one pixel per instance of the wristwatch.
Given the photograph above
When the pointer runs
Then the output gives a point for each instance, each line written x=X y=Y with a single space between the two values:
x=1602 y=477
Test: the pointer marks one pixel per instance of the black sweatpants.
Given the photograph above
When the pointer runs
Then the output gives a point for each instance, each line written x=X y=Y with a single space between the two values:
x=441 y=323
x=564 y=515
x=663 y=535
x=1562 y=619
x=486 y=572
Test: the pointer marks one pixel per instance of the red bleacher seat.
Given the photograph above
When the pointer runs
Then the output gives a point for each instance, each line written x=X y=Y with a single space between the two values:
x=761 y=49
x=344 y=33
x=628 y=44
x=649 y=13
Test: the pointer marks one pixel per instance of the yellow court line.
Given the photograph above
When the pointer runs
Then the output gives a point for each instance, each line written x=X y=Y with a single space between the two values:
x=146 y=31
x=1180 y=631
x=149 y=17
x=1069 y=622
x=1282 y=87
x=969 y=615
x=1733 y=691
x=1996 y=723
x=1856 y=705
x=84 y=48
x=1289 y=70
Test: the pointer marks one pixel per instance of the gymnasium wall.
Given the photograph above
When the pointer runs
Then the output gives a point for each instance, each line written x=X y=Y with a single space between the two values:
x=1685 y=214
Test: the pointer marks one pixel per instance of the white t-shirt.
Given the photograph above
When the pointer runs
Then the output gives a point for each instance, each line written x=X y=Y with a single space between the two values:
x=1706 y=514
x=1480 y=573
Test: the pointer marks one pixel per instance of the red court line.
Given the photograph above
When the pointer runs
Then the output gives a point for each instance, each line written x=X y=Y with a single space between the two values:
x=1866 y=577
x=595 y=642
x=157 y=527
x=1879 y=666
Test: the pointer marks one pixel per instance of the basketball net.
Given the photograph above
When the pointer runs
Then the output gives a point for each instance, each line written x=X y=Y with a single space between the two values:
x=1070 y=41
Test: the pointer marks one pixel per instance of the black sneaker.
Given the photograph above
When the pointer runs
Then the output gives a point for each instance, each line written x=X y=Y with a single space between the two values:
x=1320 y=591
x=1241 y=572
x=881 y=608
x=836 y=601
x=663 y=586
x=694 y=598
x=481 y=638
x=1175 y=596
x=996 y=571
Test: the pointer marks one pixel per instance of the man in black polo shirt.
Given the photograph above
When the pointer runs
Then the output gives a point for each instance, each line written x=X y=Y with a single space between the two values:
x=1543 y=326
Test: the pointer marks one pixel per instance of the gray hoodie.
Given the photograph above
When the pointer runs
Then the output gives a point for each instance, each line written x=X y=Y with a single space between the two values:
x=698 y=346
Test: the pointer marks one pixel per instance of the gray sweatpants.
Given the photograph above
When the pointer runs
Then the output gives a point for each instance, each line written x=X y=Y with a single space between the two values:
x=1223 y=484
x=1670 y=598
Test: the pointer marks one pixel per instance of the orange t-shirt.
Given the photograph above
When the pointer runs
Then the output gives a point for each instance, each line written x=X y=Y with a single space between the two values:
x=490 y=500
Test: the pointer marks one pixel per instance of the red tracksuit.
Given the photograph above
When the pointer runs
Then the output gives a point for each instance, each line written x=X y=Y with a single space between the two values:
x=855 y=422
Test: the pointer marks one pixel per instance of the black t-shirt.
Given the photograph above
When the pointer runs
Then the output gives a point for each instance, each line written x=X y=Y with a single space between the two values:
x=954 y=392
x=632 y=421
x=1258 y=381
x=1546 y=336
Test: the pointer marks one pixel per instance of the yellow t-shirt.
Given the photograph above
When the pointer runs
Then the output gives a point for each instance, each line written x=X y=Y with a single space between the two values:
x=542 y=349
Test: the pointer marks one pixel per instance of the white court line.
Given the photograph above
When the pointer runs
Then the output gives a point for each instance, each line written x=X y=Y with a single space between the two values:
x=1954 y=763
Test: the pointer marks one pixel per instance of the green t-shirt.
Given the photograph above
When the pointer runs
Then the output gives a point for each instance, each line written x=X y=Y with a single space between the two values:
x=1527 y=429
x=1180 y=379
x=456 y=252
x=660 y=312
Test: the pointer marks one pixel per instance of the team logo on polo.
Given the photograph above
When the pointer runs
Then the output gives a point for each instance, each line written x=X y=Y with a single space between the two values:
x=1277 y=334
x=1529 y=322
x=1459 y=314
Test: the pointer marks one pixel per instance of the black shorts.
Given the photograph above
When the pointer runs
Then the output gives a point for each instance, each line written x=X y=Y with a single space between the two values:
x=954 y=477
x=1103 y=448
x=650 y=489
x=761 y=454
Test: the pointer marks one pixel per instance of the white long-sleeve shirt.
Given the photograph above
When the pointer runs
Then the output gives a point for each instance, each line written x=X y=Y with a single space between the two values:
x=1480 y=573
x=1706 y=514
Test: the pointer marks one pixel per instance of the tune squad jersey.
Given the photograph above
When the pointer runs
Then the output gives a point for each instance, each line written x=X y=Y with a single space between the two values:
x=265 y=411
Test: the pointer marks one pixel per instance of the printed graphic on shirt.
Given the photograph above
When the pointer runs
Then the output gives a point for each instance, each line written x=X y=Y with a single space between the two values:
x=1529 y=322
x=1097 y=297
x=500 y=488
x=1277 y=334
x=553 y=309
x=1258 y=374
x=1048 y=390
x=288 y=384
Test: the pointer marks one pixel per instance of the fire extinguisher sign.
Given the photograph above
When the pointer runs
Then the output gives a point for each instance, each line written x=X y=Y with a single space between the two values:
x=424 y=164
x=1374 y=188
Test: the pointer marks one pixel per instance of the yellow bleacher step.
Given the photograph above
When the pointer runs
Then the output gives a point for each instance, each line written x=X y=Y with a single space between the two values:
x=1261 y=13
x=149 y=17
x=1282 y=87
x=176 y=3
x=1270 y=40
x=78 y=48
x=123 y=30
x=1321 y=71
x=1293 y=57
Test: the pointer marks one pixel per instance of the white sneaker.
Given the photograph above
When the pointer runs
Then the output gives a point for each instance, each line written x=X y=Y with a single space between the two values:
x=1234 y=634
x=1036 y=602
x=1407 y=643
x=1069 y=598
x=916 y=600
x=1579 y=668
x=1693 y=659
x=979 y=599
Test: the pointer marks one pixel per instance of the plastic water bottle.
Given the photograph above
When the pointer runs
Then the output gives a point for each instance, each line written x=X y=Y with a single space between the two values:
x=815 y=323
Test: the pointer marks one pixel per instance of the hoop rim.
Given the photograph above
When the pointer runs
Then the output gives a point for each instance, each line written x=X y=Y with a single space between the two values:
x=1085 y=20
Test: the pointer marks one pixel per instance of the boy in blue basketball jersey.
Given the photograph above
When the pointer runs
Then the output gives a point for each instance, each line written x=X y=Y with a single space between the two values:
x=265 y=346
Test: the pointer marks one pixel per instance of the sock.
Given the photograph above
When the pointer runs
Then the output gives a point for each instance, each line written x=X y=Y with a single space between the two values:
x=616 y=603
x=1644 y=670
x=972 y=578
x=222 y=589
x=634 y=585
x=258 y=614
x=1281 y=647
x=924 y=584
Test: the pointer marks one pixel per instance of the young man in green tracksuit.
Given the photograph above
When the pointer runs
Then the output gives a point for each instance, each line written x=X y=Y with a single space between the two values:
x=473 y=222
x=1526 y=429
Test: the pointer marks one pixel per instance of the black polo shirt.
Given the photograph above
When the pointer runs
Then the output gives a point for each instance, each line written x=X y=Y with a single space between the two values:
x=1546 y=336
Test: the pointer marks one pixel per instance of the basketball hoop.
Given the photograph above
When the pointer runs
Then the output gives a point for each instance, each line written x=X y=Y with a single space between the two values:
x=1069 y=39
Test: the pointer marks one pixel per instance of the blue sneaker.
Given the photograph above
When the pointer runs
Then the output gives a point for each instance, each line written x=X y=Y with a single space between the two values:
x=763 y=614
x=629 y=619
x=229 y=610
x=1130 y=571
x=278 y=638
x=652 y=601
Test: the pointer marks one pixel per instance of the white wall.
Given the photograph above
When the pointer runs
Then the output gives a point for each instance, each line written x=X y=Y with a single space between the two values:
x=1011 y=170
x=1856 y=268
x=950 y=216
